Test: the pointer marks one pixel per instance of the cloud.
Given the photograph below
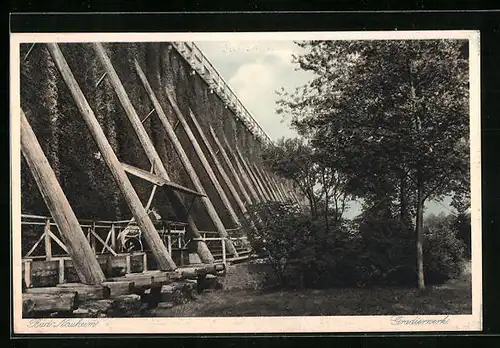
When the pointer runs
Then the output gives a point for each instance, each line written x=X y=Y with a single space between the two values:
x=255 y=70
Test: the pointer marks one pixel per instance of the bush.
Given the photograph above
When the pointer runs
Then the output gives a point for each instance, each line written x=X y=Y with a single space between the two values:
x=367 y=252
x=280 y=235
x=444 y=252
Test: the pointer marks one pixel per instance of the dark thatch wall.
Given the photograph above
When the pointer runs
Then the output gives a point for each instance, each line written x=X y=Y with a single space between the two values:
x=71 y=150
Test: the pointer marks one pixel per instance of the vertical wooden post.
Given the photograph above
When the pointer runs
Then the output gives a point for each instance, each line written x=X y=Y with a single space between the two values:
x=232 y=170
x=47 y=241
x=61 y=271
x=145 y=262
x=223 y=251
x=92 y=238
x=27 y=273
x=113 y=237
x=165 y=262
x=169 y=241
x=218 y=166
x=127 y=264
x=84 y=259
x=183 y=157
x=149 y=149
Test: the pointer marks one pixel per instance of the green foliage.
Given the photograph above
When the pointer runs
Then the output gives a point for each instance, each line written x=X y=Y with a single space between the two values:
x=392 y=116
x=280 y=236
x=444 y=252
x=373 y=250
x=387 y=109
x=324 y=186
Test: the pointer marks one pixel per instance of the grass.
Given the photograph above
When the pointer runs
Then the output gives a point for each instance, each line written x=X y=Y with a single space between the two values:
x=454 y=297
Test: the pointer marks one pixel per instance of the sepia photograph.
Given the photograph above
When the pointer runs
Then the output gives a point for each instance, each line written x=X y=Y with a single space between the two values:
x=246 y=182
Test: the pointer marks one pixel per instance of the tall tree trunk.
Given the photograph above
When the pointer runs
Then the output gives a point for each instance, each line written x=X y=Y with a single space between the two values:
x=326 y=188
x=420 y=234
x=403 y=210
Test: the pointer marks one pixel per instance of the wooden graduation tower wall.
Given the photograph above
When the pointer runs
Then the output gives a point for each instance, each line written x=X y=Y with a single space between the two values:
x=110 y=132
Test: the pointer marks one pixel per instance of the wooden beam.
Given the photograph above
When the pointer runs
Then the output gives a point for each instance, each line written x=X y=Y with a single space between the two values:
x=154 y=241
x=243 y=173
x=272 y=184
x=206 y=165
x=184 y=158
x=44 y=303
x=218 y=165
x=229 y=164
x=221 y=170
x=178 y=206
x=85 y=292
x=157 y=180
x=85 y=261
x=278 y=189
x=48 y=242
x=251 y=174
x=265 y=182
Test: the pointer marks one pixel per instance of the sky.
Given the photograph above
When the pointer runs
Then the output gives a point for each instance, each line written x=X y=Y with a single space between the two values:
x=255 y=70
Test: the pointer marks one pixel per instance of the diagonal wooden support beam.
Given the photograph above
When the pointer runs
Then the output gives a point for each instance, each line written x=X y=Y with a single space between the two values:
x=269 y=177
x=220 y=169
x=177 y=204
x=206 y=166
x=244 y=174
x=278 y=188
x=185 y=160
x=272 y=183
x=265 y=182
x=154 y=241
x=259 y=181
x=78 y=248
x=251 y=174
x=229 y=164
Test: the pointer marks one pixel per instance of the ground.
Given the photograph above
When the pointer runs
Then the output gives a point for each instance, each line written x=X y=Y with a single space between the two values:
x=453 y=297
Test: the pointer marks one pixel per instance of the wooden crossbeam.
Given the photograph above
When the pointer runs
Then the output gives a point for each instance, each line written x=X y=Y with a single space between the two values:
x=157 y=180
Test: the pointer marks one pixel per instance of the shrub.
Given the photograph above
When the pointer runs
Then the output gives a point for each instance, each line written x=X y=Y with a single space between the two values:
x=280 y=235
x=370 y=251
x=444 y=252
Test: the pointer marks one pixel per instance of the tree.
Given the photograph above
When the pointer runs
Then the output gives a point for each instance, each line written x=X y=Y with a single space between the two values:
x=394 y=113
x=313 y=173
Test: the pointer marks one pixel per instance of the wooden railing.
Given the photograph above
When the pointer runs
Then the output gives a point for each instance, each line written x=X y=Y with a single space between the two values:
x=115 y=232
x=200 y=63
x=173 y=234
x=215 y=242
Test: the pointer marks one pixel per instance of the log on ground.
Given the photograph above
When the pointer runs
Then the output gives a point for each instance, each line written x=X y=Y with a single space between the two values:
x=117 y=288
x=37 y=304
x=85 y=292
